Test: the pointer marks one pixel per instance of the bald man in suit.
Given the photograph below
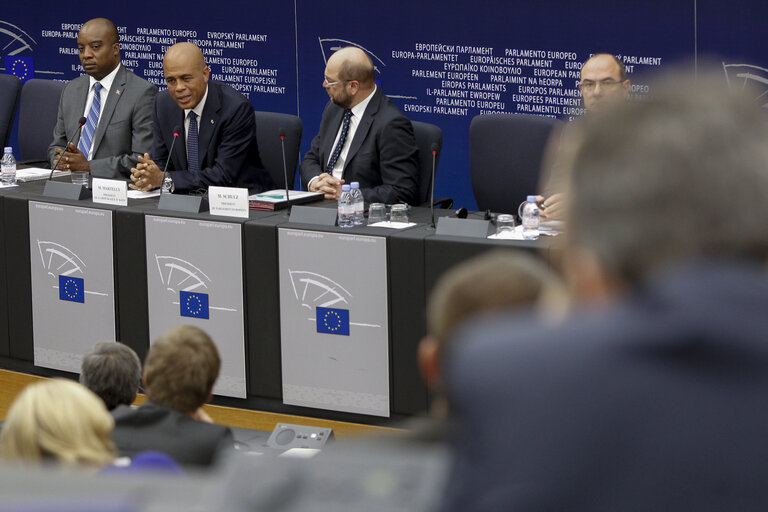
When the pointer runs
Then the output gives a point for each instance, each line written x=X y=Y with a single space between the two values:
x=124 y=127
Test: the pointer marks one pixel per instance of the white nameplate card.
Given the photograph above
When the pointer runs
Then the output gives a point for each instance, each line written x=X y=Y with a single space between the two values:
x=110 y=191
x=228 y=201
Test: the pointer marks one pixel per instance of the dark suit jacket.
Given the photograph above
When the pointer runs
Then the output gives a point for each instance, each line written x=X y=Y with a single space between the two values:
x=658 y=403
x=383 y=156
x=154 y=427
x=124 y=130
x=229 y=155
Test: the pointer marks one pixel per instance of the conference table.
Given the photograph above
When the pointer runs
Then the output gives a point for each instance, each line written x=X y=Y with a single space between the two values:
x=310 y=319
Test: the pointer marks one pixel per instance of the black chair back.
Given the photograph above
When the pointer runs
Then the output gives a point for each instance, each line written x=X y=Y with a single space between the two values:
x=38 y=112
x=505 y=157
x=268 y=125
x=426 y=134
x=10 y=87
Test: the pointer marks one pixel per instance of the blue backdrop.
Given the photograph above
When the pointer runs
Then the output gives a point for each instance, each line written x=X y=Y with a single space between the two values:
x=442 y=63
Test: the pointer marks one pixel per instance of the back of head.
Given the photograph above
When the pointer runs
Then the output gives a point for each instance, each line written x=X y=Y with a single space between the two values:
x=354 y=64
x=58 y=420
x=112 y=371
x=493 y=281
x=181 y=369
x=679 y=176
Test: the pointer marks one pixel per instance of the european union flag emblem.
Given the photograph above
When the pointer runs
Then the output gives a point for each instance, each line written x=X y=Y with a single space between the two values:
x=20 y=66
x=72 y=289
x=194 y=304
x=333 y=321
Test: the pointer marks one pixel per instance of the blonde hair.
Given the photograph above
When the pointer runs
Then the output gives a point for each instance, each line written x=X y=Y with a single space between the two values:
x=58 y=420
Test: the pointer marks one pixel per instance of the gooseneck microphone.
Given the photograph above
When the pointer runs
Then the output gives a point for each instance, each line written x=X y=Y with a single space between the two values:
x=80 y=124
x=176 y=131
x=281 y=133
x=435 y=147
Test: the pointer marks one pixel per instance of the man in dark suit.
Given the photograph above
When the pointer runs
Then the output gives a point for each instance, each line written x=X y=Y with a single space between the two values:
x=179 y=373
x=221 y=150
x=120 y=128
x=651 y=394
x=363 y=137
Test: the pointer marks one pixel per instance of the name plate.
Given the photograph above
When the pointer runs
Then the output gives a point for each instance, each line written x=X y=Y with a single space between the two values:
x=110 y=191
x=228 y=201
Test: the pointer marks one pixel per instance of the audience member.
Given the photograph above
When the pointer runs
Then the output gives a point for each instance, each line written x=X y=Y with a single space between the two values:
x=651 y=395
x=495 y=281
x=112 y=371
x=58 y=421
x=363 y=137
x=179 y=373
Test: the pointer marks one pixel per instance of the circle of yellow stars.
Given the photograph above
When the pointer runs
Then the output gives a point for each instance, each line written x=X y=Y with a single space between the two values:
x=25 y=73
x=69 y=294
x=199 y=305
x=338 y=321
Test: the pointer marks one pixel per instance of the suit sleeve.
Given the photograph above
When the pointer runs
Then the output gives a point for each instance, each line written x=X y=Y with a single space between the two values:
x=231 y=154
x=119 y=166
x=398 y=165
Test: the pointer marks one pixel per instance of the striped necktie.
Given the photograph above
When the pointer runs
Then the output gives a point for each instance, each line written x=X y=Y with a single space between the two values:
x=193 y=161
x=93 y=120
x=340 y=144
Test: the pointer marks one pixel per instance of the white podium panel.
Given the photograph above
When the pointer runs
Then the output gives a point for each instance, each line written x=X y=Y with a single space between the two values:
x=194 y=276
x=334 y=321
x=72 y=281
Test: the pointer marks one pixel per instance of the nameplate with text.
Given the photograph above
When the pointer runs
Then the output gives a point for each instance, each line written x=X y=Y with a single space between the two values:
x=110 y=191
x=228 y=201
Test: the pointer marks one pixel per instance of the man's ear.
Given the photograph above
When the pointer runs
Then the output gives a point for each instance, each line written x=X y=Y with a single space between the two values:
x=429 y=363
x=586 y=277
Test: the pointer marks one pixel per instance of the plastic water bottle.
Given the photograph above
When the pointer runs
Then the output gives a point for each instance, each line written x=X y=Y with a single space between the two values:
x=357 y=196
x=8 y=167
x=531 y=218
x=346 y=208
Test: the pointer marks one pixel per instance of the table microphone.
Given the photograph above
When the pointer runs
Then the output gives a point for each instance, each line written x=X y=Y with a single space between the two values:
x=80 y=124
x=281 y=133
x=176 y=130
x=435 y=147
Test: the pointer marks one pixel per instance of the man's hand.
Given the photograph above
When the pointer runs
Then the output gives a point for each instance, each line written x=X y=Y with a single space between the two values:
x=553 y=207
x=73 y=160
x=328 y=185
x=146 y=175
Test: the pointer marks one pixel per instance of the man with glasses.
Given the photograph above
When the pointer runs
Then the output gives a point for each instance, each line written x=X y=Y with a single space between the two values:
x=363 y=137
x=603 y=83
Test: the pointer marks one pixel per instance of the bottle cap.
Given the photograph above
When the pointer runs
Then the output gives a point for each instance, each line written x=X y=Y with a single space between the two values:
x=531 y=199
x=345 y=188
x=355 y=184
x=8 y=149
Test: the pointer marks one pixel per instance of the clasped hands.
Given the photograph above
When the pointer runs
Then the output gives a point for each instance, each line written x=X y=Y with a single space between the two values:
x=146 y=175
x=328 y=185
x=72 y=159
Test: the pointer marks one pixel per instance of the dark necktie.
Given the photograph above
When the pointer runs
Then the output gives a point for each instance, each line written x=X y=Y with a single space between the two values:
x=340 y=144
x=93 y=120
x=193 y=161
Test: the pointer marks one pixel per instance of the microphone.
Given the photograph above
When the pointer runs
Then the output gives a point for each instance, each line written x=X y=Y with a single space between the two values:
x=281 y=133
x=80 y=124
x=435 y=147
x=163 y=190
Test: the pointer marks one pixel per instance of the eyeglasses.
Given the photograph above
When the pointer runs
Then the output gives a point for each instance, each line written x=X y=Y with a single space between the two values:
x=331 y=84
x=608 y=83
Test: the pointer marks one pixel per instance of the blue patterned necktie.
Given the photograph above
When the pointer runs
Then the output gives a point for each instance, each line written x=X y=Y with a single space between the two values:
x=93 y=120
x=193 y=161
x=340 y=144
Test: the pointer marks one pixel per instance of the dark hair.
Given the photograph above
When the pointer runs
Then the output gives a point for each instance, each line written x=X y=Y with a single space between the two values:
x=681 y=175
x=622 y=67
x=112 y=371
x=181 y=368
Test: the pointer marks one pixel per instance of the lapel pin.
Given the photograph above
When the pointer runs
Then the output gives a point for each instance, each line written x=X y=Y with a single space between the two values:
x=117 y=92
x=211 y=121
